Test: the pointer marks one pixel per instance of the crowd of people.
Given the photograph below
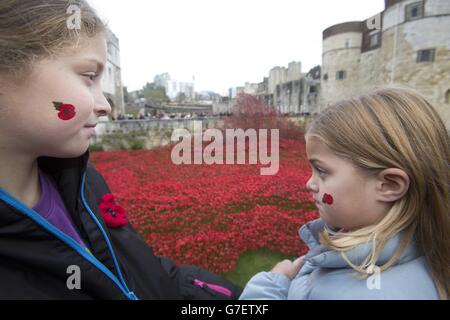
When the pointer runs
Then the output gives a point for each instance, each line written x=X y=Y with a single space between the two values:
x=167 y=116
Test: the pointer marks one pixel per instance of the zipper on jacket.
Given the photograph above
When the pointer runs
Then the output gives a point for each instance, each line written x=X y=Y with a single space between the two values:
x=130 y=294
x=33 y=215
x=212 y=287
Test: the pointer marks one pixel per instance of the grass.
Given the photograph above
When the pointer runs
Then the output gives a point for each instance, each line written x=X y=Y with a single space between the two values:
x=253 y=262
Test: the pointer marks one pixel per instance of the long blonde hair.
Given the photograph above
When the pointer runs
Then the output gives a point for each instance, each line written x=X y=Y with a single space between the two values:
x=395 y=127
x=31 y=30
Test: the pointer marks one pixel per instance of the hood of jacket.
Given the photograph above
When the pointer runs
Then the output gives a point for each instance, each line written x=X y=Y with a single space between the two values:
x=319 y=255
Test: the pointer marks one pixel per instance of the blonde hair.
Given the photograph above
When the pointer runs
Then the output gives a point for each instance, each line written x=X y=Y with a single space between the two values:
x=31 y=30
x=395 y=127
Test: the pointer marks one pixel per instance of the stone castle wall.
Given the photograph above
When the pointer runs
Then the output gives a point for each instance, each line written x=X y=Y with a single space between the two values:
x=395 y=61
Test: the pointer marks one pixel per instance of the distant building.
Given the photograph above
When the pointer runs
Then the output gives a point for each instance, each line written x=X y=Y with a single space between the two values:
x=285 y=86
x=175 y=88
x=251 y=88
x=408 y=43
x=310 y=94
x=162 y=79
x=232 y=93
x=112 y=76
x=208 y=97
x=288 y=89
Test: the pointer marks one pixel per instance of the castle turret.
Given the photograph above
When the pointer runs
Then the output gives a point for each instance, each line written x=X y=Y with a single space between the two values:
x=408 y=43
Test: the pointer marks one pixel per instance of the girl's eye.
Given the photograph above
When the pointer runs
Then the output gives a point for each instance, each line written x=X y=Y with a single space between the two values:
x=90 y=76
x=321 y=172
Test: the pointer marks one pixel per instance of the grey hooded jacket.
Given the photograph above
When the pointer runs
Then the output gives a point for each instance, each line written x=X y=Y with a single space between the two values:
x=326 y=275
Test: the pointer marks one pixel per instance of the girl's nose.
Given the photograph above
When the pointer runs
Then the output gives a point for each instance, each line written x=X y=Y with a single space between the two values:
x=311 y=186
x=102 y=107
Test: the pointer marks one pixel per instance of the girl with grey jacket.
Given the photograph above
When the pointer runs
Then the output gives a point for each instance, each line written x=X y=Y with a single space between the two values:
x=380 y=181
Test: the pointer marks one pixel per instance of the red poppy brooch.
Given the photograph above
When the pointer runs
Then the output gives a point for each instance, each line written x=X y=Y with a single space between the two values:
x=113 y=214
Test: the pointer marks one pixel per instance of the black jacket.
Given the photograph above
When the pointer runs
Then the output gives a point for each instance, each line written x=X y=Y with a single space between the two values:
x=35 y=259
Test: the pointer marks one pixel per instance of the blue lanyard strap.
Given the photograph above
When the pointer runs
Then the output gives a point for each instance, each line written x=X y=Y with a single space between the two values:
x=82 y=251
x=130 y=294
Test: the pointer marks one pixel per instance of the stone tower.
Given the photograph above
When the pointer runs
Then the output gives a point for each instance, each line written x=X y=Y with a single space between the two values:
x=408 y=43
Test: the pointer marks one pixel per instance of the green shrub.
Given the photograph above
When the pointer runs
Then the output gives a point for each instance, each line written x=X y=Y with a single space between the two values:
x=96 y=147
x=123 y=141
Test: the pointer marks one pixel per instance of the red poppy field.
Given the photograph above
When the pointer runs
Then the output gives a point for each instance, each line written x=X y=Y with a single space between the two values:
x=211 y=215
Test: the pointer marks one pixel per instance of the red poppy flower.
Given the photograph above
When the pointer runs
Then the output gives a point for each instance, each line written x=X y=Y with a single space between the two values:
x=66 y=111
x=114 y=215
x=108 y=199
x=181 y=213
x=327 y=199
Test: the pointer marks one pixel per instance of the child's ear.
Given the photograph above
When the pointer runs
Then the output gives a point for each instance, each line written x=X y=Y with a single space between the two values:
x=392 y=184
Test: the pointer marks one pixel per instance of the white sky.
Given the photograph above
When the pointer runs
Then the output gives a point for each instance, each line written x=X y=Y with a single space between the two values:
x=224 y=43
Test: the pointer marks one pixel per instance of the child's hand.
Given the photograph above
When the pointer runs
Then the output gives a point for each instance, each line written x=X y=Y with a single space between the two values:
x=289 y=268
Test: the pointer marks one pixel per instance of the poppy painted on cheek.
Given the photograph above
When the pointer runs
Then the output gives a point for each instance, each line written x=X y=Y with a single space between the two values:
x=327 y=199
x=66 y=111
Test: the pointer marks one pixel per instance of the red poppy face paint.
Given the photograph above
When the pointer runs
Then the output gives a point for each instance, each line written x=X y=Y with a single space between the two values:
x=327 y=199
x=66 y=111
